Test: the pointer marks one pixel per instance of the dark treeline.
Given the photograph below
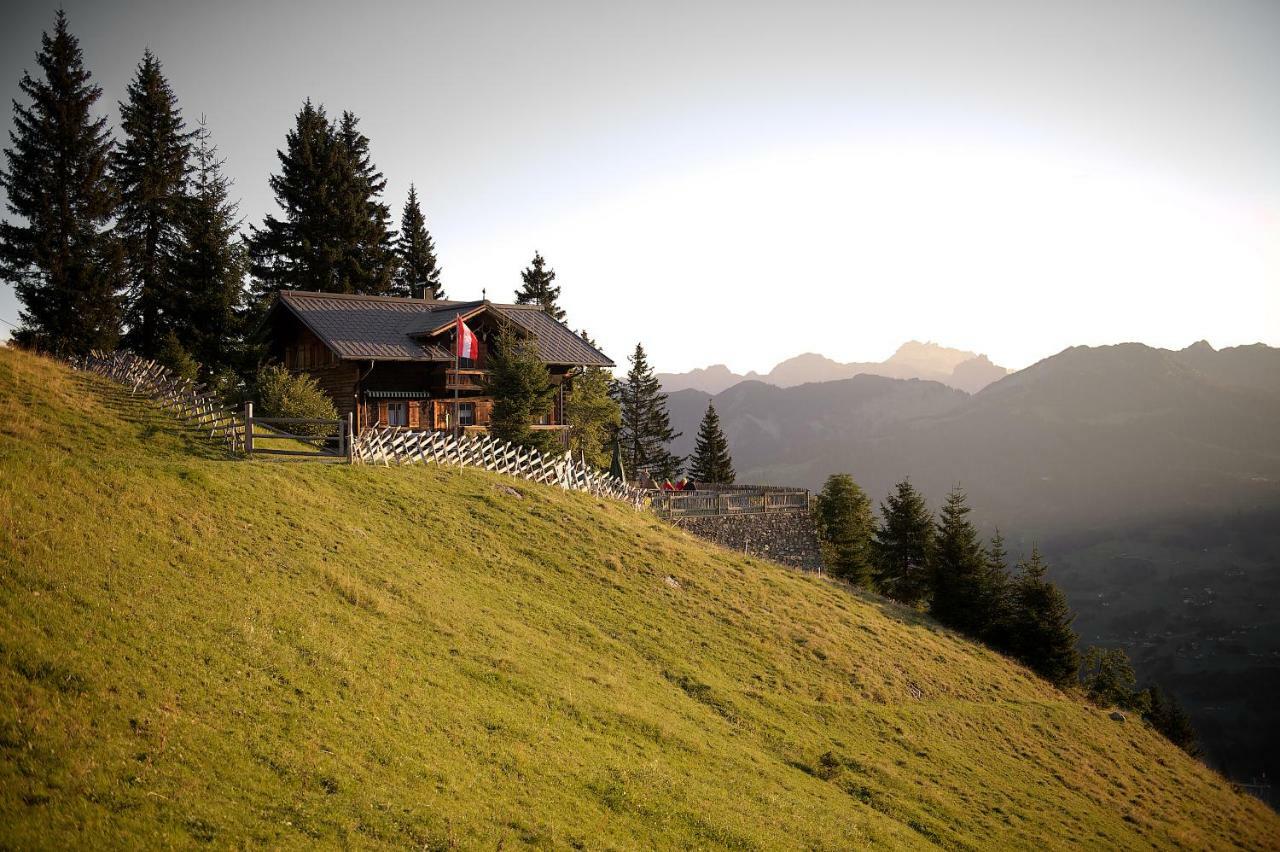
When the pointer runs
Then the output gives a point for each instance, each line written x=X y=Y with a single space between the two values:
x=941 y=565
x=132 y=239
x=135 y=242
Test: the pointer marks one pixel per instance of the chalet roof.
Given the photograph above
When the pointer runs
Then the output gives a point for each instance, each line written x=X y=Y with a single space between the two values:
x=390 y=328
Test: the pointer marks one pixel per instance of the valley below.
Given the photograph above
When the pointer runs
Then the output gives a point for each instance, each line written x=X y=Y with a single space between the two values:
x=1150 y=478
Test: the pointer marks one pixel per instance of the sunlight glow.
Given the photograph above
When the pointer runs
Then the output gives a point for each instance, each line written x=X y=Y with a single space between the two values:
x=851 y=250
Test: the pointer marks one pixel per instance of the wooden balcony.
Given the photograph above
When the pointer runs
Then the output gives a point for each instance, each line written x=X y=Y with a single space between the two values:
x=465 y=379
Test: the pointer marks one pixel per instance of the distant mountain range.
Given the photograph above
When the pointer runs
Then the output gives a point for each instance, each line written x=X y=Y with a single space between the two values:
x=1151 y=477
x=1077 y=436
x=966 y=371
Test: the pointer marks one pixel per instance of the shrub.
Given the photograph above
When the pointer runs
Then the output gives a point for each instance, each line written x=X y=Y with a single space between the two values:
x=174 y=356
x=284 y=394
x=227 y=385
x=1107 y=676
x=593 y=416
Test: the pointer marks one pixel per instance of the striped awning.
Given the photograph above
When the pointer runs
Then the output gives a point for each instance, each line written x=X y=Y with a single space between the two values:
x=394 y=394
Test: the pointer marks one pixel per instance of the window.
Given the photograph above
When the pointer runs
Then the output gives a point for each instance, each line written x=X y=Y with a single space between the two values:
x=467 y=413
x=397 y=414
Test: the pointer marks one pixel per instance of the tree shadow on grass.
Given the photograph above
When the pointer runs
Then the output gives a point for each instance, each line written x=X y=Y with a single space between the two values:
x=151 y=424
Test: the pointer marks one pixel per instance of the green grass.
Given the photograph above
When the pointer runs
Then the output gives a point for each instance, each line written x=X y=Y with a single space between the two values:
x=198 y=650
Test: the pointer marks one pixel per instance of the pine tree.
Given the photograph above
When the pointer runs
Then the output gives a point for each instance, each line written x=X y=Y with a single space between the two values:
x=210 y=265
x=418 y=273
x=521 y=388
x=711 y=462
x=845 y=528
x=65 y=266
x=150 y=170
x=1042 y=637
x=538 y=288
x=593 y=416
x=904 y=546
x=960 y=571
x=368 y=254
x=646 y=426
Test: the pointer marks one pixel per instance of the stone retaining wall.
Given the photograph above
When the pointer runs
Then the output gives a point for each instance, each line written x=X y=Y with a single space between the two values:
x=790 y=538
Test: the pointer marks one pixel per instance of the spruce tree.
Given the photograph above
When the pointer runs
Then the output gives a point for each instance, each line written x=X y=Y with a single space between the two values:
x=368 y=262
x=995 y=607
x=150 y=170
x=904 y=546
x=418 y=273
x=845 y=528
x=334 y=232
x=65 y=266
x=710 y=461
x=300 y=250
x=646 y=426
x=960 y=571
x=538 y=287
x=1042 y=637
x=521 y=388
x=210 y=265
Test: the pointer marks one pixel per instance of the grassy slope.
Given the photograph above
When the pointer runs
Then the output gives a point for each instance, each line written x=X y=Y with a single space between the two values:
x=193 y=648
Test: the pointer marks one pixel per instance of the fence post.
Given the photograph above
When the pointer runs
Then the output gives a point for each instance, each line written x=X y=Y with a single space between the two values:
x=248 y=428
x=351 y=446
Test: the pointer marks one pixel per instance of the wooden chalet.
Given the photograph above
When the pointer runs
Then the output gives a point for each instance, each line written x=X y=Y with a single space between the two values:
x=390 y=361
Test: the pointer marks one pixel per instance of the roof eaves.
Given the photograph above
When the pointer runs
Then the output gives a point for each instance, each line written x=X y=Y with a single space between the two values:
x=282 y=299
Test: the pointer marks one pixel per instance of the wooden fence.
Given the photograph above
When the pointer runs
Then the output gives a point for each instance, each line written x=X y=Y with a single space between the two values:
x=403 y=446
x=188 y=401
x=744 y=500
x=200 y=409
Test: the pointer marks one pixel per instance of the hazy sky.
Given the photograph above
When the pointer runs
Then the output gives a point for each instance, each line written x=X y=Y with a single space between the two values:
x=741 y=182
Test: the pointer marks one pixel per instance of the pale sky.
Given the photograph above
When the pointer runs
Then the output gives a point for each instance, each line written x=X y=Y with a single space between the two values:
x=742 y=182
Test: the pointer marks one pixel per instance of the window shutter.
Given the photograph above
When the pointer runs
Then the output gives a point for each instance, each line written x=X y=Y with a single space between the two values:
x=414 y=420
x=382 y=413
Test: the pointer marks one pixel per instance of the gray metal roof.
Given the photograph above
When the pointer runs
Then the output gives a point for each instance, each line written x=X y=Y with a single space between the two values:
x=389 y=328
x=556 y=343
x=440 y=318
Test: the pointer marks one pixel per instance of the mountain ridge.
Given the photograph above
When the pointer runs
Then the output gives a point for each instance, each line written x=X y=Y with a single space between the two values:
x=966 y=371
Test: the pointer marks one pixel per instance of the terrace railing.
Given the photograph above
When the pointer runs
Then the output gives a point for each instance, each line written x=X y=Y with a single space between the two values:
x=736 y=500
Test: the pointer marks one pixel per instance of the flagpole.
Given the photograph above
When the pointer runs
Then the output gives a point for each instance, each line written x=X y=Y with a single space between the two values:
x=457 y=349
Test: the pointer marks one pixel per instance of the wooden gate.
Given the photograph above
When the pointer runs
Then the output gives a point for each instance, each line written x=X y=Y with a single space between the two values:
x=296 y=436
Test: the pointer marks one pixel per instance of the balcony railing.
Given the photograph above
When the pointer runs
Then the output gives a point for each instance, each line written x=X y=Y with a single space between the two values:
x=465 y=379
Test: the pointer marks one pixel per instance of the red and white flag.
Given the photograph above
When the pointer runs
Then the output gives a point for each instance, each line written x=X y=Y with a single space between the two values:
x=466 y=340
